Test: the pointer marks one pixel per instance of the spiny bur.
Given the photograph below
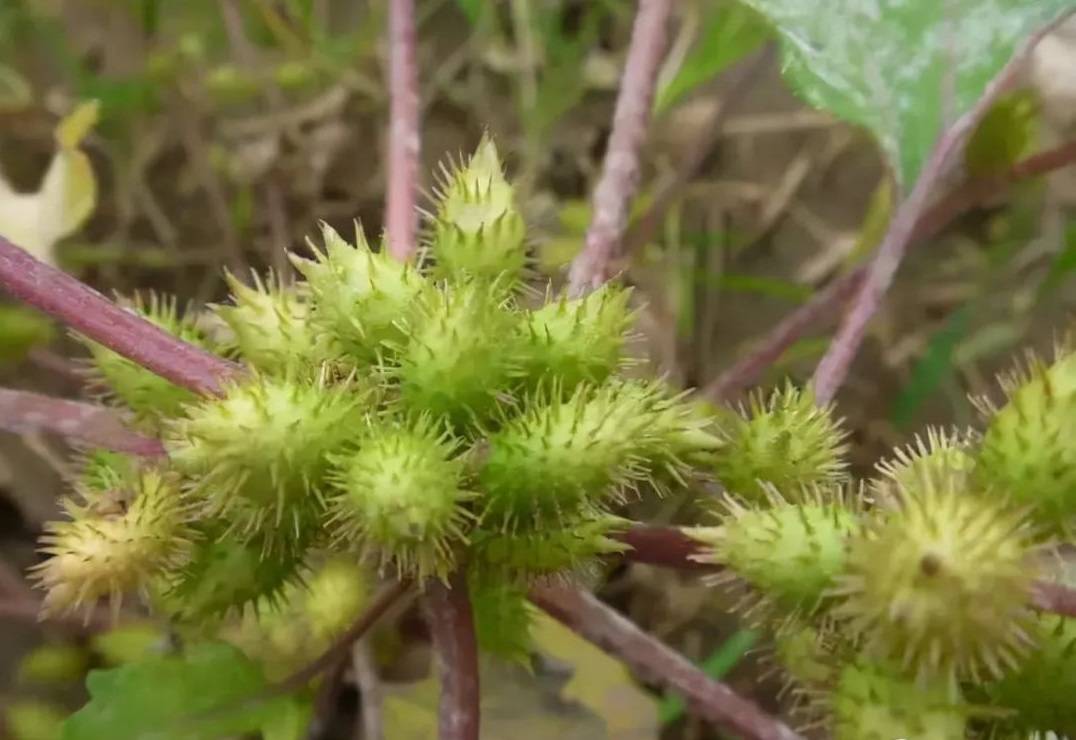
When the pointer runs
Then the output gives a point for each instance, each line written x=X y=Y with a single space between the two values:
x=114 y=542
x=785 y=440
x=941 y=582
x=270 y=326
x=257 y=456
x=940 y=452
x=401 y=496
x=148 y=395
x=872 y=701
x=790 y=553
x=478 y=231
x=1027 y=452
x=361 y=298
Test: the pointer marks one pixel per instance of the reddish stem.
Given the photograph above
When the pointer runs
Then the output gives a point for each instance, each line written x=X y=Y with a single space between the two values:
x=1053 y=597
x=401 y=213
x=23 y=412
x=585 y=614
x=451 y=624
x=620 y=170
x=833 y=368
x=90 y=313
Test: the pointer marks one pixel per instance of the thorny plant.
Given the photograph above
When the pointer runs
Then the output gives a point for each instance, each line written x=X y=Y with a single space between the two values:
x=467 y=435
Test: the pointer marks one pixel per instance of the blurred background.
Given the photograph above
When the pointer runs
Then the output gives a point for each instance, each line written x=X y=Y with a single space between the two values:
x=147 y=145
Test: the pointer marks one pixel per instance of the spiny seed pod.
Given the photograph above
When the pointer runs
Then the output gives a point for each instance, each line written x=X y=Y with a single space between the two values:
x=225 y=576
x=400 y=495
x=791 y=553
x=502 y=618
x=271 y=327
x=286 y=633
x=360 y=296
x=786 y=440
x=478 y=231
x=257 y=455
x=941 y=583
x=804 y=654
x=1027 y=451
x=150 y=396
x=871 y=702
x=1042 y=690
x=104 y=471
x=523 y=556
x=115 y=544
x=939 y=453
x=455 y=362
x=560 y=456
x=573 y=341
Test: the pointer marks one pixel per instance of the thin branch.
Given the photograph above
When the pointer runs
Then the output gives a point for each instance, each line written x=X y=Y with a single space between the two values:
x=620 y=170
x=90 y=313
x=714 y=701
x=451 y=623
x=371 y=725
x=401 y=213
x=671 y=547
x=828 y=301
x=23 y=412
x=834 y=366
x=340 y=650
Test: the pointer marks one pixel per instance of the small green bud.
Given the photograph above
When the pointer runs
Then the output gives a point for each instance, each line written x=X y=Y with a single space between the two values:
x=478 y=231
x=791 y=553
x=873 y=703
x=228 y=84
x=257 y=456
x=941 y=583
x=150 y=396
x=400 y=495
x=1027 y=452
x=361 y=298
x=271 y=327
x=573 y=341
x=786 y=441
x=455 y=363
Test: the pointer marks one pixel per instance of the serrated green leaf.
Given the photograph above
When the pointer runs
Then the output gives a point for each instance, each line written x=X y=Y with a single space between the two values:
x=212 y=691
x=887 y=65
x=728 y=32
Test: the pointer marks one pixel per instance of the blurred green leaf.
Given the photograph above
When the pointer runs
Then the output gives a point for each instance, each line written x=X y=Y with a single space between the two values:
x=212 y=691
x=22 y=329
x=1064 y=264
x=128 y=643
x=932 y=369
x=886 y=64
x=15 y=93
x=785 y=290
x=30 y=719
x=1005 y=134
x=728 y=32
x=473 y=9
x=54 y=663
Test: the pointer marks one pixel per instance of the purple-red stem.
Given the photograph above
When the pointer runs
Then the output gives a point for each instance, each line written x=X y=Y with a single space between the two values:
x=833 y=368
x=401 y=213
x=586 y=615
x=84 y=309
x=828 y=301
x=23 y=412
x=620 y=170
x=451 y=623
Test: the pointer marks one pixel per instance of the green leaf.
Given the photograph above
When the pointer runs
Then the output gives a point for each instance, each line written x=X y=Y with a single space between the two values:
x=728 y=32
x=212 y=691
x=22 y=329
x=720 y=662
x=1005 y=134
x=473 y=9
x=886 y=64
x=933 y=368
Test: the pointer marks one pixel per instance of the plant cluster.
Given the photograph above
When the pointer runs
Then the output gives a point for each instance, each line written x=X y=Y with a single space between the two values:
x=445 y=417
x=903 y=606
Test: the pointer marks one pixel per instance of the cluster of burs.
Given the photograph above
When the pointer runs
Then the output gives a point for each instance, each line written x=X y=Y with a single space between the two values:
x=447 y=417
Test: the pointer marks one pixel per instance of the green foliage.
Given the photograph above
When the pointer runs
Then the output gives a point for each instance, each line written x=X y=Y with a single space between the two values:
x=502 y=619
x=21 y=330
x=212 y=690
x=898 y=68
